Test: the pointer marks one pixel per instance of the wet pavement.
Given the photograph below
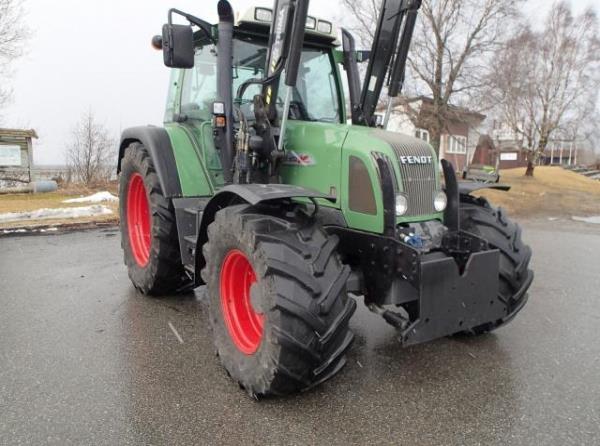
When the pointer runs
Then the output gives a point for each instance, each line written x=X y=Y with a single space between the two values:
x=84 y=359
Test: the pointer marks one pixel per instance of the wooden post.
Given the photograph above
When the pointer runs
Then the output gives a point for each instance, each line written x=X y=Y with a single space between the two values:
x=30 y=157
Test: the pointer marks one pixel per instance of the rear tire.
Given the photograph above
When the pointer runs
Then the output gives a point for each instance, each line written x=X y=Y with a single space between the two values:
x=480 y=218
x=280 y=320
x=148 y=228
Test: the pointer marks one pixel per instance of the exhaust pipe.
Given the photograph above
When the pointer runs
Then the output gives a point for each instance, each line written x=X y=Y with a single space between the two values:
x=224 y=140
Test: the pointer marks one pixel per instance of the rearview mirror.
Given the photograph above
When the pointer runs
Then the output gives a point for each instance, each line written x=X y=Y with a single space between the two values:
x=178 y=46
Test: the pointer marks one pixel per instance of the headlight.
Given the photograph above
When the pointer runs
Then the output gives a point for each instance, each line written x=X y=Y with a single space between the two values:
x=440 y=201
x=401 y=204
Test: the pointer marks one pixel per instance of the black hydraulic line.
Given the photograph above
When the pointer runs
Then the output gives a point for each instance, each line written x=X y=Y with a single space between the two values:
x=224 y=136
x=260 y=81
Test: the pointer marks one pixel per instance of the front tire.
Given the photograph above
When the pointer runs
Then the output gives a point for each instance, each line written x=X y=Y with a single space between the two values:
x=148 y=227
x=277 y=300
x=480 y=218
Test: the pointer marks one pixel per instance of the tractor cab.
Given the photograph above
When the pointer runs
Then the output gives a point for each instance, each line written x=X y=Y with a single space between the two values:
x=316 y=97
x=198 y=98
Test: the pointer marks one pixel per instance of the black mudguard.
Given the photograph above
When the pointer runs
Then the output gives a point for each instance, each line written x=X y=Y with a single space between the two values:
x=158 y=144
x=246 y=193
x=454 y=189
x=258 y=193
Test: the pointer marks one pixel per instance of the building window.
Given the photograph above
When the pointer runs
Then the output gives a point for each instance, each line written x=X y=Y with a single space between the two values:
x=422 y=134
x=457 y=144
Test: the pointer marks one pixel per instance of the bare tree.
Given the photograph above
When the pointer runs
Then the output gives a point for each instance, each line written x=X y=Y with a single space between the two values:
x=91 y=151
x=364 y=14
x=513 y=87
x=451 y=51
x=13 y=36
x=547 y=81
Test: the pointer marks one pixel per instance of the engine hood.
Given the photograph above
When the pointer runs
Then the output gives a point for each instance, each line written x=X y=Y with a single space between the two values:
x=412 y=160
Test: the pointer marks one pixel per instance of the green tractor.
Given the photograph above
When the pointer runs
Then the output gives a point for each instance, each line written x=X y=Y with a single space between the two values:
x=260 y=187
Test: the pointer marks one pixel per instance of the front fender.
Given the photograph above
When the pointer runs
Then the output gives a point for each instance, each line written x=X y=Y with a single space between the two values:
x=258 y=193
x=246 y=193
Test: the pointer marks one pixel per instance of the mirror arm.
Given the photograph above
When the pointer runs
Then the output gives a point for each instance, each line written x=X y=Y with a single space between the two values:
x=202 y=24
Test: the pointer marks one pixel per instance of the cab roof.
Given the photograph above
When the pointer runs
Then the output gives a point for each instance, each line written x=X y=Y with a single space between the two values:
x=258 y=19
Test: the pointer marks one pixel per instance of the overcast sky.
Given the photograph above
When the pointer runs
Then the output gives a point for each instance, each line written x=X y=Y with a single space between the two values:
x=96 y=54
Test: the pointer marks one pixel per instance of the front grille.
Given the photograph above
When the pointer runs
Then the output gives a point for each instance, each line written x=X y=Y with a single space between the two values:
x=418 y=180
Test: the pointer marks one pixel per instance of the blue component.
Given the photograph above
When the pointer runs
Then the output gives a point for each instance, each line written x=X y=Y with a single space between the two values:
x=415 y=241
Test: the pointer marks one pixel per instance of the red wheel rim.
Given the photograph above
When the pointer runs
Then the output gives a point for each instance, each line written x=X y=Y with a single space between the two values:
x=244 y=324
x=139 y=223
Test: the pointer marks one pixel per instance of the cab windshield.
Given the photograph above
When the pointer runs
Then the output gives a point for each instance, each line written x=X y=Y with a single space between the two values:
x=315 y=96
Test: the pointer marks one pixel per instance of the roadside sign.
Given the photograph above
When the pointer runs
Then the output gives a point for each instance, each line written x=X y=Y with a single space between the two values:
x=10 y=156
x=511 y=156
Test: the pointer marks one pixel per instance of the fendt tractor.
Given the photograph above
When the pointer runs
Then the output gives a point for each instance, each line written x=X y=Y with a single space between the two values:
x=262 y=187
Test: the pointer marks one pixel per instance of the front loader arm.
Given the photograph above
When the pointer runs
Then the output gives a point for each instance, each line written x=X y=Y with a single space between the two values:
x=387 y=61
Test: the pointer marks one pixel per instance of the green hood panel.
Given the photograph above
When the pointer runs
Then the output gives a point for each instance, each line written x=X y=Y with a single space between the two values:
x=314 y=155
x=415 y=166
x=318 y=157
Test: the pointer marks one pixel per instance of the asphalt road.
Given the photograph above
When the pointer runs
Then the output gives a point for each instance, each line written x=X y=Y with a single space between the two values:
x=84 y=359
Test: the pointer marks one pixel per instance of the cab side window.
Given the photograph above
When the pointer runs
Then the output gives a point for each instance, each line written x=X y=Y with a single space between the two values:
x=200 y=86
x=317 y=86
x=172 y=96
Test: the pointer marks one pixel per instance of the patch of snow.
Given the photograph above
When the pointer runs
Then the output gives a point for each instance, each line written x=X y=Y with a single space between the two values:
x=594 y=220
x=14 y=231
x=49 y=230
x=61 y=213
x=96 y=198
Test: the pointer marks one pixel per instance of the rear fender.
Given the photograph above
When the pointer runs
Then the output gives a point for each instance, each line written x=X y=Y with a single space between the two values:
x=176 y=156
x=158 y=144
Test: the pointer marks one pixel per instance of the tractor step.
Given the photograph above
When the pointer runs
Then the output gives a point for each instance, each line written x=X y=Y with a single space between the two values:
x=188 y=212
x=190 y=269
x=190 y=244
